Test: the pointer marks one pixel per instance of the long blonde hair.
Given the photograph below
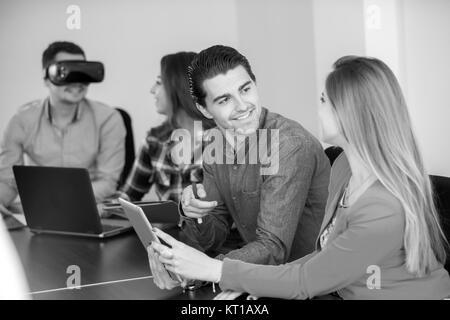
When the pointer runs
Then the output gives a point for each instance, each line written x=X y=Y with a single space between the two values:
x=374 y=119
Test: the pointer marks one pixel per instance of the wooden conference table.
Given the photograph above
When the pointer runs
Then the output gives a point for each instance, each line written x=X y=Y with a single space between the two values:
x=114 y=268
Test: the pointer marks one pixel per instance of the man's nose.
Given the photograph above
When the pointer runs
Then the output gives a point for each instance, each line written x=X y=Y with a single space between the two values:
x=240 y=104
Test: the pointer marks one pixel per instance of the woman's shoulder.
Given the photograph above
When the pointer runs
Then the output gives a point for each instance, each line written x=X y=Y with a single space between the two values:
x=377 y=202
x=160 y=133
x=378 y=193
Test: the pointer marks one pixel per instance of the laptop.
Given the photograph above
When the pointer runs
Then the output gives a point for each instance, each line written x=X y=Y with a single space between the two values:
x=61 y=201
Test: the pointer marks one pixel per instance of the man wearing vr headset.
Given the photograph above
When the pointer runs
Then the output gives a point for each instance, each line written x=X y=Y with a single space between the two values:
x=65 y=129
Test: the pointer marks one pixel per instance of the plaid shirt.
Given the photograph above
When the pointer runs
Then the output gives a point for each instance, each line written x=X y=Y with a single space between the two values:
x=154 y=165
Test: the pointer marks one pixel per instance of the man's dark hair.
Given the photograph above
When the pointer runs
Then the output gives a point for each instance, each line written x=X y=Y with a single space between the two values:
x=211 y=62
x=49 y=54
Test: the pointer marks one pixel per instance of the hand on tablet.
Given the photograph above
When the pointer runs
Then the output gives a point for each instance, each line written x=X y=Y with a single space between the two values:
x=160 y=275
x=186 y=261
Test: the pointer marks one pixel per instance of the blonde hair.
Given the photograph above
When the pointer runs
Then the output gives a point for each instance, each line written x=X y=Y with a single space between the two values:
x=374 y=119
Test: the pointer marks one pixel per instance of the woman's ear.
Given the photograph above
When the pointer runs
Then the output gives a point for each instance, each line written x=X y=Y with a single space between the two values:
x=204 y=111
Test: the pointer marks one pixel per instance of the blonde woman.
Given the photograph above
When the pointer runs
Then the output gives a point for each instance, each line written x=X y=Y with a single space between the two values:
x=381 y=237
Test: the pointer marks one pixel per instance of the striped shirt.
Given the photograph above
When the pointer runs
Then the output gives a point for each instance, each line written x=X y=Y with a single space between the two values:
x=155 y=166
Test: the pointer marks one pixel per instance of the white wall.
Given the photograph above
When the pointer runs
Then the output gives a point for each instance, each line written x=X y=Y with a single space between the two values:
x=427 y=67
x=413 y=38
x=277 y=38
x=291 y=45
x=338 y=32
x=130 y=37
x=384 y=34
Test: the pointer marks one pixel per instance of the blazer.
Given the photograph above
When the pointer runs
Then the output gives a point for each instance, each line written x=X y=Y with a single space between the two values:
x=364 y=257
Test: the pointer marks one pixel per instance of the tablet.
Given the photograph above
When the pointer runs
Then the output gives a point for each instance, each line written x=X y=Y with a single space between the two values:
x=142 y=227
x=155 y=211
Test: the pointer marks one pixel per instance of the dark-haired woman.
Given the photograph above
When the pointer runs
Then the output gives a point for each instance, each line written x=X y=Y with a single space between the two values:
x=157 y=162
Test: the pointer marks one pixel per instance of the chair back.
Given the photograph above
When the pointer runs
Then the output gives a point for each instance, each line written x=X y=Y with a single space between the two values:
x=332 y=153
x=441 y=187
x=129 y=147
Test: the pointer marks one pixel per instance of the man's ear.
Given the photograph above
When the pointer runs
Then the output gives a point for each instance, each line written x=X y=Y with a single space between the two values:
x=44 y=77
x=46 y=82
x=203 y=110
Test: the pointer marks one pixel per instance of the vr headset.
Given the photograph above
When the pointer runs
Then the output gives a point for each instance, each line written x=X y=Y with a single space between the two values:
x=74 y=71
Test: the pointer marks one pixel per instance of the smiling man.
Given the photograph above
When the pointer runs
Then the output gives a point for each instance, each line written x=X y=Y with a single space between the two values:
x=275 y=217
x=233 y=101
x=64 y=130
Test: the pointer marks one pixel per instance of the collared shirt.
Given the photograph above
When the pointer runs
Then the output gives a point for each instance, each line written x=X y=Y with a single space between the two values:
x=154 y=166
x=95 y=139
x=278 y=214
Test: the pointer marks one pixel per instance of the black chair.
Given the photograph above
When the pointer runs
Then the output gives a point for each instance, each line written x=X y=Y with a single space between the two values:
x=332 y=153
x=129 y=147
x=441 y=187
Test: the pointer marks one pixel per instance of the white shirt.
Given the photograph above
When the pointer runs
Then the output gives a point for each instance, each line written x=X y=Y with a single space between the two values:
x=13 y=285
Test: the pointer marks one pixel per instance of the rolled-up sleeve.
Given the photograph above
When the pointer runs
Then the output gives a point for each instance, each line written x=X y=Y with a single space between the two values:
x=11 y=153
x=111 y=156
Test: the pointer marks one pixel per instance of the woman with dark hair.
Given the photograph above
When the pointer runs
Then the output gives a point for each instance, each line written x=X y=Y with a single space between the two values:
x=156 y=162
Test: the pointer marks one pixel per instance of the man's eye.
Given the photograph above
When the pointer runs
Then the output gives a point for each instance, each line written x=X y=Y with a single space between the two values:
x=322 y=100
x=223 y=101
x=246 y=89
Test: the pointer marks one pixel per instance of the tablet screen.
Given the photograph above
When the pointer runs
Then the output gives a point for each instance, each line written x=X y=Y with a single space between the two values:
x=142 y=227
x=140 y=222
